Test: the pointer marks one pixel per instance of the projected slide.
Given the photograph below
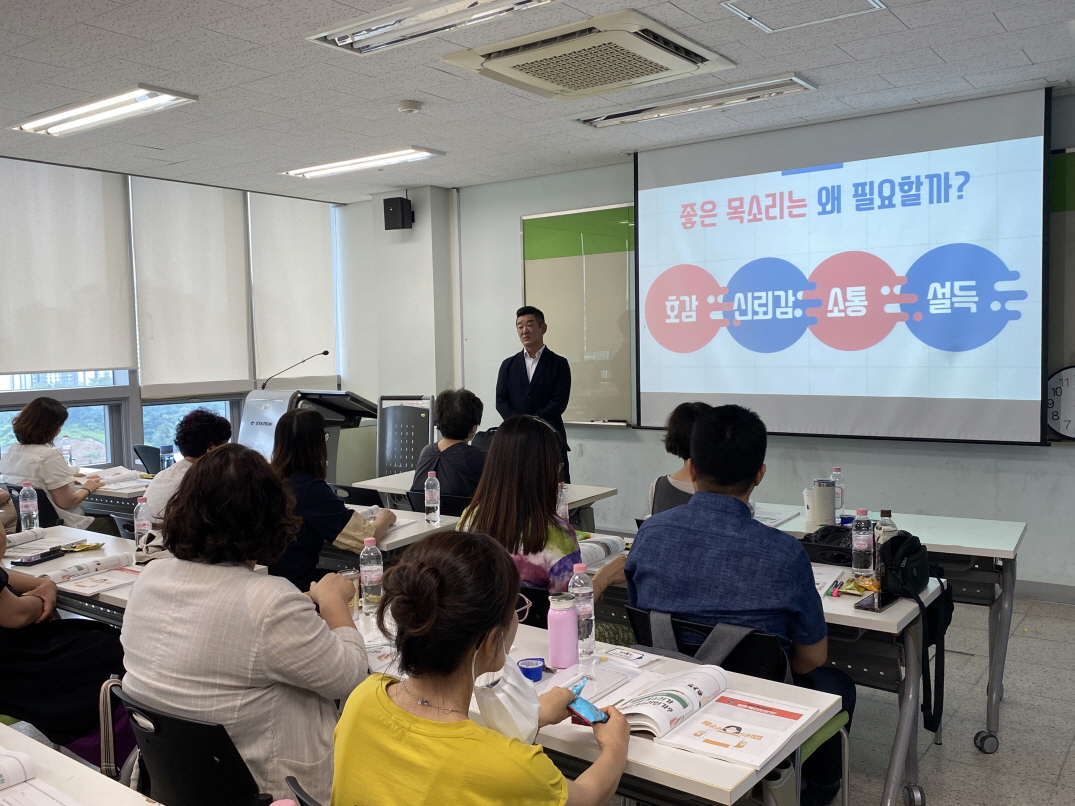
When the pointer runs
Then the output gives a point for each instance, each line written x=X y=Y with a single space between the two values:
x=915 y=276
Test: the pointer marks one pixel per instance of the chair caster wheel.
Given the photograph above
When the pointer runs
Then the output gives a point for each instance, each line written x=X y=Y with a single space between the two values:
x=987 y=742
x=913 y=795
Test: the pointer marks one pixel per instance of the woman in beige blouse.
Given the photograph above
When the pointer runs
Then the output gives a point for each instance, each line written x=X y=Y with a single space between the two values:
x=207 y=637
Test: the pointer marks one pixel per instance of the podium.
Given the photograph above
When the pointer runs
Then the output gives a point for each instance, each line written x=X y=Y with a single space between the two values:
x=263 y=408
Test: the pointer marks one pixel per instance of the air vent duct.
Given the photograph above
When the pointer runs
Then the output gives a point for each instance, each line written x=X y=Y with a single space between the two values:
x=592 y=57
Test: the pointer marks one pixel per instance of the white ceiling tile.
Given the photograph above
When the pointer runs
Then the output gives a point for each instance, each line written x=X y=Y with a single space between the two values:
x=288 y=54
x=75 y=46
x=969 y=28
x=830 y=33
x=190 y=48
x=15 y=72
x=931 y=12
x=706 y=11
x=159 y=19
x=9 y=40
x=1028 y=14
x=1041 y=43
x=1048 y=72
x=284 y=18
x=108 y=76
x=899 y=96
x=304 y=79
x=210 y=75
x=166 y=138
x=230 y=99
x=541 y=18
x=38 y=18
x=36 y=98
x=936 y=72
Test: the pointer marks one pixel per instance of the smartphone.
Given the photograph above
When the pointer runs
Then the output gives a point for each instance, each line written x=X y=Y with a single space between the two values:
x=876 y=602
x=43 y=557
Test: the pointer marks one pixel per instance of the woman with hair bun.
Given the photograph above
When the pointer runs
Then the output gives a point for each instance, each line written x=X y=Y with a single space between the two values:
x=454 y=600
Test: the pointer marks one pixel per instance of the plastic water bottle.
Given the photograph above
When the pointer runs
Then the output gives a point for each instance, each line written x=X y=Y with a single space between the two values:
x=371 y=569
x=862 y=545
x=65 y=449
x=562 y=511
x=838 y=478
x=28 y=511
x=885 y=528
x=167 y=457
x=432 y=488
x=581 y=587
x=143 y=521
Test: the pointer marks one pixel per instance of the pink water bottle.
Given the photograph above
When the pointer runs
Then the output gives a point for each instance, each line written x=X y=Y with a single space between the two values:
x=563 y=631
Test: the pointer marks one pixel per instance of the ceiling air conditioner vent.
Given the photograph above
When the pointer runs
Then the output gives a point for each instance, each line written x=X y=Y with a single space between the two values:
x=592 y=57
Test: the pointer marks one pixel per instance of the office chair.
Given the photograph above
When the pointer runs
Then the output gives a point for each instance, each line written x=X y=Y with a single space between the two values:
x=402 y=432
x=356 y=495
x=186 y=762
x=759 y=655
x=46 y=512
x=302 y=797
x=125 y=524
x=150 y=458
x=452 y=505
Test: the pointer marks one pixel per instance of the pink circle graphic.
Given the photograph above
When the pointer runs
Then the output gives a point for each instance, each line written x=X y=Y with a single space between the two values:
x=682 y=311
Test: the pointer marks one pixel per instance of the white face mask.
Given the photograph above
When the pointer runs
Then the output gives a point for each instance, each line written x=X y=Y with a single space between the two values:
x=510 y=704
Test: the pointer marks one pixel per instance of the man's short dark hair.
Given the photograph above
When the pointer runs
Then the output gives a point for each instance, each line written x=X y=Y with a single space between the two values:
x=199 y=431
x=728 y=449
x=680 y=426
x=457 y=411
x=530 y=310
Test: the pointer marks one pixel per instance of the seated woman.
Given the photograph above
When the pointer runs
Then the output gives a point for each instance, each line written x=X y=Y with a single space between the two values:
x=457 y=463
x=51 y=671
x=9 y=515
x=197 y=433
x=515 y=504
x=451 y=605
x=676 y=488
x=207 y=637
x=35 y=460
x=300 y=456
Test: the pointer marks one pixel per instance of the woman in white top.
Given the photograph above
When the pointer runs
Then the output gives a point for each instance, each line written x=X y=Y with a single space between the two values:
x=198 y=433
x=35 y=460
x=207 y=637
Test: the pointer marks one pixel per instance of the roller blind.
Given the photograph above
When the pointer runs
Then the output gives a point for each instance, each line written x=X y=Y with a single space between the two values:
x=192 y=287
x=293 y=287
x=66 y=301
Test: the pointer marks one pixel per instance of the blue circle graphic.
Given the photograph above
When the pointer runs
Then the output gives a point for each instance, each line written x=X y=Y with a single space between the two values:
x=770 y=313
x=959 y=307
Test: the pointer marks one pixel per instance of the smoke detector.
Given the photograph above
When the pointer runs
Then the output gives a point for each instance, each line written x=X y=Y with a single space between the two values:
x=593 y=57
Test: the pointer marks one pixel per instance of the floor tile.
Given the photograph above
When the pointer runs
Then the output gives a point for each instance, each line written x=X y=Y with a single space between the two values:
x=949 y=783
x=1062 y=796
x=1067 y=773
x=1030 y=678
x=1053 y=610
x=1046 y=628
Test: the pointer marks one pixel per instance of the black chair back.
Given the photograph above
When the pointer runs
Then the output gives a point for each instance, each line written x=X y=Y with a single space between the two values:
x=302 y=797
x=356 y=495
x=125 y=524
x=150 y=458
x=402 y=432
x=190 y=763
x=46 y=513
x=453 y=505
x=758 y=654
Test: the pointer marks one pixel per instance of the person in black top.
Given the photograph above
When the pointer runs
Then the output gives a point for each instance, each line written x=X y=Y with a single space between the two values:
x=457 y=463
x=535 y=381
x=300 y=456
x=677 y=488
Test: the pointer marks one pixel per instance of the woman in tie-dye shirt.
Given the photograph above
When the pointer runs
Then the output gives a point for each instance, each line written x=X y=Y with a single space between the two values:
x=515 y=503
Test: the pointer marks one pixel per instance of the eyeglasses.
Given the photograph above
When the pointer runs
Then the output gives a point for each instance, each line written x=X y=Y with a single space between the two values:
x=522 y=608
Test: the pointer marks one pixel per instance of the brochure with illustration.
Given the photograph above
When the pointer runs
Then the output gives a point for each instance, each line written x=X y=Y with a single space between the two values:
x=99 y=583
x=90 y=567
x=666 y=700
x=37 y=541
x=19 y=787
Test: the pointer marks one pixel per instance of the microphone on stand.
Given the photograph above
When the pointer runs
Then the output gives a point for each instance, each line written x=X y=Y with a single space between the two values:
x=303 y=361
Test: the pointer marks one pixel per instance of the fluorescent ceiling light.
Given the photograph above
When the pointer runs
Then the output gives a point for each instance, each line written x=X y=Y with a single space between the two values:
x=699 y=102
x=409 y=22
x=412 y=154
x=81 y=117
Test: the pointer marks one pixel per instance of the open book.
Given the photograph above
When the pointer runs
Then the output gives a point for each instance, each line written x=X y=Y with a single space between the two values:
x=695 y=711
x=597 y=550
x=35 y=541
x=90 y=568
x=19 y=787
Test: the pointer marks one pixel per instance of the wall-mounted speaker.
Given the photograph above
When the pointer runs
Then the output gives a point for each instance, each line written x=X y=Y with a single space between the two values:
x=398 y=213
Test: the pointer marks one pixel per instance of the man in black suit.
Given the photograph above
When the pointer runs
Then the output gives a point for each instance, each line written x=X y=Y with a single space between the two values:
x=535 y=381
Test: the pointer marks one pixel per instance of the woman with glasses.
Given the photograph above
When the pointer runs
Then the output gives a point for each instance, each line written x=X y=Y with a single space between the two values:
x=452 y=607
x=300 y=456
x=515 y=503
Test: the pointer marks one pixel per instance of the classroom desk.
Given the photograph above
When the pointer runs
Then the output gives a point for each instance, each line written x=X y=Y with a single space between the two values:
x=653 y=767
x=979 y=557
x=72 y=778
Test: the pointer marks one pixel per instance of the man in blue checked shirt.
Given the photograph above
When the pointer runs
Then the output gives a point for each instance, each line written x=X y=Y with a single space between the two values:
x=708 y=561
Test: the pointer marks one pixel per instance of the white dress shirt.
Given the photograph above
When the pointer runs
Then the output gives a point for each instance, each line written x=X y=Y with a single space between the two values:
x=531 y=363
x=45 y=467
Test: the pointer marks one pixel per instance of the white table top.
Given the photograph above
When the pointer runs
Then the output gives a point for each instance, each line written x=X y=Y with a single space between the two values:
x=946 y=535
x=76 y=780
x=841 y=610
x=578 y=495
x=401 y=536
x=709 y=778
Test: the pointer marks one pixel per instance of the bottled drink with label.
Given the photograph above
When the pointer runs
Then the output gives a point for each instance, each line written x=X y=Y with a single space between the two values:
x=65 y=449
x=581 y=587
x=370 y=569
x=432 y=495
x=862 y=545
x=884 y=529
x=562 y=511
x=838 y=478
x=143 y=522
x=28 y=512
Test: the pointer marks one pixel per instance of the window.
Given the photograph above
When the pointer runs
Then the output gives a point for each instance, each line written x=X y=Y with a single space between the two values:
x=87 y=426
x=62 y=380
x=159 y=420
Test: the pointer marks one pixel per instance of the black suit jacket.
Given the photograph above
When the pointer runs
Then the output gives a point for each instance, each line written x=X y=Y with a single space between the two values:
x=545 y=396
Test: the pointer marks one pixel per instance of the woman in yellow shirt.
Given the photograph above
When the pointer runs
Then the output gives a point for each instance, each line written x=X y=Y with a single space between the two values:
x=454 y=598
